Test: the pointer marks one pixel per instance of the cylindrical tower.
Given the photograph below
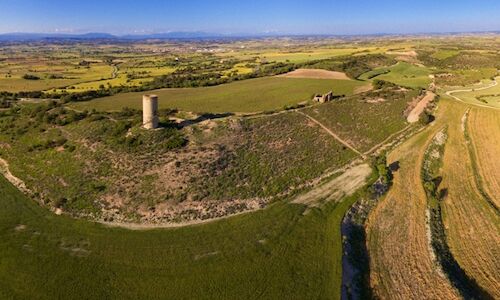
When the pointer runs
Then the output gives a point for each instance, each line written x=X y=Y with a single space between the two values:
x=150 y=111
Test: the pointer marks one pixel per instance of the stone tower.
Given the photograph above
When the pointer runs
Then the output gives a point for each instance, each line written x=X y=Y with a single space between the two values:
x=150 y=111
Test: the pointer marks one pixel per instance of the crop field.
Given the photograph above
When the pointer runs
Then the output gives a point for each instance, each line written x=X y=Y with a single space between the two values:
x=483 y=128
x=248 y=188
x=66 y=75
x=468 y=215
x=277 y=252
x=302 y=56
x=403 y=74
x=472 y=224
x=253 y=95
x=397 y=229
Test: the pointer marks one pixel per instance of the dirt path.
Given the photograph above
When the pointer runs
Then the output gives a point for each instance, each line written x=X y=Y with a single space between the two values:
x=450 y=93
x=421 y=105
x=18 y=183
x=343 y=142
x=115 y=72
x=343 y=185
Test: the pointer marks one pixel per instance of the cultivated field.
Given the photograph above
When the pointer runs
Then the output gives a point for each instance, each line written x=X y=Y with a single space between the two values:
x=401 y=263
x=253 y=95
x=472 y=224
x=484 y=131
x=241 y=192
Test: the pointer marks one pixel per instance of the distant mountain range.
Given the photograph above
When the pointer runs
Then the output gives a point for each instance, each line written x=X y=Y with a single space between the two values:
x=21 y=37
x=26 y=37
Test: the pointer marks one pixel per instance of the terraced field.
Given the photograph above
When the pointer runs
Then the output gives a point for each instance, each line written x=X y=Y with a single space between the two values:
x=253 y=95
x=472 y=224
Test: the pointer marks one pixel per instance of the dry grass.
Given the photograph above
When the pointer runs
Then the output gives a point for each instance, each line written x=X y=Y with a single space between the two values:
x=402 y=266
x=484 y=131
x=472 y=225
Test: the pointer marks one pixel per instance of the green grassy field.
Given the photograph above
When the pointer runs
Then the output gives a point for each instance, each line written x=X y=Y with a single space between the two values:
x=274 y=253
x=489 y=96
x=253 y=95
x=403 y=74
x=444 y=54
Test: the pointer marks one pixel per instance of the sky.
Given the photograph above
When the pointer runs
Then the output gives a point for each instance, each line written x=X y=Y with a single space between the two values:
x=249 y=16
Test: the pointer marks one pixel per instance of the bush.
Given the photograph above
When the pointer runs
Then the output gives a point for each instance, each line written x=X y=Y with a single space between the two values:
x=31 y=77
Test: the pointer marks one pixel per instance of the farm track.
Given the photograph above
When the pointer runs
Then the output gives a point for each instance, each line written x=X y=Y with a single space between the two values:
x=401 y=263
x=472 y=225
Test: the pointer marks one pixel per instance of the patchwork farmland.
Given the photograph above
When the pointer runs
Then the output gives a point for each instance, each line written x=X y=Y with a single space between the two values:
x=255 y=181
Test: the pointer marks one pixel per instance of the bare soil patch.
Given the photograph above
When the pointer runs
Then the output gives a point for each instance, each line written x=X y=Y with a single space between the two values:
x=419 y=108
x=316 y=74
x=345 y=184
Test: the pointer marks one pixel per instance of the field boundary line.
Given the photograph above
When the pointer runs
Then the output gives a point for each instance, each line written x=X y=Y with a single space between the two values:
x=330 y=132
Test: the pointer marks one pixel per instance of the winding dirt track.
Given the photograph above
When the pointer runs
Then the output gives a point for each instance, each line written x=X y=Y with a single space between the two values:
x=401 y=263
x=450 y=93
x=472 y=225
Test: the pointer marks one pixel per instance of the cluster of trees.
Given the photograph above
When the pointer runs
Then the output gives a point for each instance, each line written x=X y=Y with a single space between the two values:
x=30 y=77
x=382 y=84
x=383 y=170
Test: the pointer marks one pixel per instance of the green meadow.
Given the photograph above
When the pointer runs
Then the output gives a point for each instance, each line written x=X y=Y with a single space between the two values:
x=403 y=74
x=279 y=252
x=255 y=95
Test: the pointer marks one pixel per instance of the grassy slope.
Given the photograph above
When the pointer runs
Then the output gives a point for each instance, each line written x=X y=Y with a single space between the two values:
x=403 y=74
x=274 y=253
x=493 y=99
x=362 y=124
x=244 y=96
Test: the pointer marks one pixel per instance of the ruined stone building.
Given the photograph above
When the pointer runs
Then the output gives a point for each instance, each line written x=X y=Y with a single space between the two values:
x=324 y=98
